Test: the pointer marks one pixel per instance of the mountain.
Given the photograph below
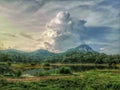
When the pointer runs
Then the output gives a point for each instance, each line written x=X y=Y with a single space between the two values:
x=45 y=53
x=84 y=48
x=42 y=53
x=81 y=48
x=12 y=51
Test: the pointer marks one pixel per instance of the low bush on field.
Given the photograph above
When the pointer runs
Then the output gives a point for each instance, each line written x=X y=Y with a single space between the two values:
x=64 y=70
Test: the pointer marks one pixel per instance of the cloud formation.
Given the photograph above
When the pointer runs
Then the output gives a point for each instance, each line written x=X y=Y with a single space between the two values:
x=64 y=31
x=26 y=19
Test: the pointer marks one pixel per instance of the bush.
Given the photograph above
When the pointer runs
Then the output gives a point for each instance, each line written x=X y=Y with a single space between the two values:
x=9 y=63
x=33 y=64
x=64 y=70
x=44 y=73
x=18 y=73
x=6 y=70
x=3 y=82
x=46 y=64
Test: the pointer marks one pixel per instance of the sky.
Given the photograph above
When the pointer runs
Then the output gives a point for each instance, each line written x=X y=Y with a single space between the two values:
x=58 y=25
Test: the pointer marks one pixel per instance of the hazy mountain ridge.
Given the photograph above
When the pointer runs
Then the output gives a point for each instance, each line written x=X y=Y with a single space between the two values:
x=81 y=48
x=83 y=53
x=42 y=52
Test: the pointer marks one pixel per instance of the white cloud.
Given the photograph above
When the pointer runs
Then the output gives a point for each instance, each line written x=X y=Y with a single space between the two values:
x=64 y=32
x=102 y=49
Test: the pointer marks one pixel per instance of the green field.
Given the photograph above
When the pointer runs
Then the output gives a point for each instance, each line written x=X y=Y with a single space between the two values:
x=59 y=77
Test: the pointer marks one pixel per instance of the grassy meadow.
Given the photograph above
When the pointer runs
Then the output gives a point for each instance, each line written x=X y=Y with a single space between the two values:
x=59 y=76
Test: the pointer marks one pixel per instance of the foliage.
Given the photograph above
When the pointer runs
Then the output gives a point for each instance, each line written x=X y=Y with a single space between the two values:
x=91 y=81
x=18 y=73
x=6 y=70
x=33 y=64
x=67 y=57
x=46 y=64
x=88 y=57
x=64 y=70
x=43 y=73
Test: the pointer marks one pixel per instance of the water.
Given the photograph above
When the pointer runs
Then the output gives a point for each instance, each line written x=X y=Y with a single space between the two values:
x=74 y=68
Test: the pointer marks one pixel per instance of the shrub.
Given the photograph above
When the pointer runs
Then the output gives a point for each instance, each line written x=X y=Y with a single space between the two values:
x=64 y=70
x=46 y=64
x=9 y=63
x=33 y=64
x=43 y=73
x=3 y=82
x=18 y=73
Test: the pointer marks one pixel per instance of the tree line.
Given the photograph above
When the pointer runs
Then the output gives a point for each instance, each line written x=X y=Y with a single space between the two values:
x=69 y=57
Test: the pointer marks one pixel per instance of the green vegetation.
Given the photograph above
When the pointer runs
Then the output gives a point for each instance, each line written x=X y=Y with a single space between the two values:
x=64 y=70
x=7 y=71
x=18 y=73
x=46 y=64
x=44 y=73
x=68 y=57
x=90 y=80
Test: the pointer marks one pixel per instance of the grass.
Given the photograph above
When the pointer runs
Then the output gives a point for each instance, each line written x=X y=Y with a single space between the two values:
x=28 y=66
x=66 y=79
x=96 y=73
x=90 y=80
x=21 y=65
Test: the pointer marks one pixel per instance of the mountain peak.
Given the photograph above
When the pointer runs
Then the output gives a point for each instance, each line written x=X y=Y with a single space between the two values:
x=82 y=48
x=42 y=52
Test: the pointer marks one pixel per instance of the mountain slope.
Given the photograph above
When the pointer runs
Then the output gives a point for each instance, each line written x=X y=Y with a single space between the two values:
x=42 y=53
x=38 y=55
x=81 y=48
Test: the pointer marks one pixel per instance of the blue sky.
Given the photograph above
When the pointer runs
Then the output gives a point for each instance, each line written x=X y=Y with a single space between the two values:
x=58 y=25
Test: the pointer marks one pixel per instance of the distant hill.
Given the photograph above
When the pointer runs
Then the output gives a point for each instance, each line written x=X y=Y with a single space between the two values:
x=45 y=53
x=81 y=54
x=41 y=54
x=12 y=51
x=81 y=48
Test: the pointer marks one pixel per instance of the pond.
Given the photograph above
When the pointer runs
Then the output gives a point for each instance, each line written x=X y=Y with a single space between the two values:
x=74 y=68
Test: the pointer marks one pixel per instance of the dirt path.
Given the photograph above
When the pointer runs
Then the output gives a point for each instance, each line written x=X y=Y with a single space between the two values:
x=34 y=79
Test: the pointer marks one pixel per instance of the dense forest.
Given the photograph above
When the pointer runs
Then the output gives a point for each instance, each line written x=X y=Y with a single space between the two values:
x=66 y=57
